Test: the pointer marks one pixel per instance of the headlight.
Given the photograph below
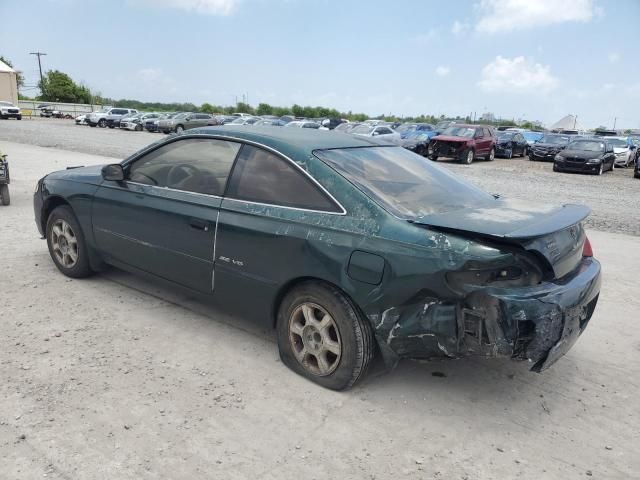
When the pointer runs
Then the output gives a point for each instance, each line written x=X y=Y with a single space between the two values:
x=559 y=157
x=594 y=160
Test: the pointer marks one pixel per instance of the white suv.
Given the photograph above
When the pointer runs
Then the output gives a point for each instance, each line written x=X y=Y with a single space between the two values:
x=8 y=110
x=100 y=119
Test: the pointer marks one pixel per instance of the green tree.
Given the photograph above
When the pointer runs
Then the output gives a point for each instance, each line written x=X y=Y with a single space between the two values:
x=19 y=76
x=297 y=110
x=242 y=107
x=264 y=109
x=57 y=86
x=208 y=108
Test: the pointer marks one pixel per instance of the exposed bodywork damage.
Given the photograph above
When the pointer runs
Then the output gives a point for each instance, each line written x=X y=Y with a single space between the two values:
x=538 y=324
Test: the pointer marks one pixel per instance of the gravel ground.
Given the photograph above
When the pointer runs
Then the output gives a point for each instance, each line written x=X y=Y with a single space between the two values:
x=517 y=178
x=119 y=377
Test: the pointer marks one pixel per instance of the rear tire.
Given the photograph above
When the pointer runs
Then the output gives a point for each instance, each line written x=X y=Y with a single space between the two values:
x=102 y=123
x=66 y=243
x=492 y=155
x=323 y=337
x=19 y=117
x=179 y=129
x=4 y=193
x=138 y=128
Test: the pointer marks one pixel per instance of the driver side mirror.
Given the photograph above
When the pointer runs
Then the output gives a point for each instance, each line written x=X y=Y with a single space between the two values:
x=113 y=172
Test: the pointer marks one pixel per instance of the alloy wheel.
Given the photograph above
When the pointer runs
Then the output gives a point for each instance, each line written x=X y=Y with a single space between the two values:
x=315 y=339
x=64 y=243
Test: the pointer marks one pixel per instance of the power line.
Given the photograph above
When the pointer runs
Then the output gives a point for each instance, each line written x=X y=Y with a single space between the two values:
x=39 y=54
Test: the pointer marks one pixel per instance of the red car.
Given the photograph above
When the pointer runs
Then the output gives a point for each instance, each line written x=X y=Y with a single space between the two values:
x=464 y=142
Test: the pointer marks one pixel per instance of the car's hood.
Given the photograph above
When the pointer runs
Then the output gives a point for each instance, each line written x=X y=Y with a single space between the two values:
x=91 y=174
x=580 y=153
x=508 y=219
x=617 y=150
x=411 y=142
x=447 y=138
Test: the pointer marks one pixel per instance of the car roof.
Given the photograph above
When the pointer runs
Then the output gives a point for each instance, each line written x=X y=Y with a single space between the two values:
x=293 y=142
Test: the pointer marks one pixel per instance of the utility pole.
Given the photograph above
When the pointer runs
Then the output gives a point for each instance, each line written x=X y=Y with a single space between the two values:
x=39 y=54
x=615 y=119
x=575 y=121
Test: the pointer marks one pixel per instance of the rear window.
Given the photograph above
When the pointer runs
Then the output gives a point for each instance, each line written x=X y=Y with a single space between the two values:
x=403 y=183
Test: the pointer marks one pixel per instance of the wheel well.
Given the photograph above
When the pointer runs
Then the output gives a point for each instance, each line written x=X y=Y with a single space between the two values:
x=290 y=285
x=50 y=204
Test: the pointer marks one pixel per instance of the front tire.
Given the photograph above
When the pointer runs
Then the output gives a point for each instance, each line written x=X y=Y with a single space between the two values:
x=19 y=117
x=601 y=169
x=66 y=243
x=467 y=158
x=4 y=193
x=102 y=123
x=323 y=337
x=138 y=128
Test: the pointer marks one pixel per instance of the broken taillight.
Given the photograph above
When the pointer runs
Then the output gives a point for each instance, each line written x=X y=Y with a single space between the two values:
x=587 y=251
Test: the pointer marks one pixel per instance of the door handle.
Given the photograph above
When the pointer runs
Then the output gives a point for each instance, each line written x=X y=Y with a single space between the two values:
x=199 y=224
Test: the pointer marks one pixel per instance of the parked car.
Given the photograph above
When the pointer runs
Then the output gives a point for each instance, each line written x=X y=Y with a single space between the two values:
x=116 y=115
x=245 y=120
x=151 y=125
x=548 y=147
x=625 y=155
x=605 y=133
x=346 y=127
x=381 y=132
x=223 y=119
x=405 y=129
x=302 y=124
x=184 y=121
x=49 y=111
x=510 y=143
x=417 y=141
x=464 y=143
x=101 y=118
x=332 y=123
x=531 y=138
x=587 y=156
x=270 y=122
x=440 y=126
x=349 y=246
x=136 y=122
x=81 y=119
x=9 y=110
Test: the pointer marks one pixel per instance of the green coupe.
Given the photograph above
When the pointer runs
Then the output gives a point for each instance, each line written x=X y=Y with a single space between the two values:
x=348 y=246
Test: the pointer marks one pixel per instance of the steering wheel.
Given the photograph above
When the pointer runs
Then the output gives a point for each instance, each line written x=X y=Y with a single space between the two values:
x=179 y=173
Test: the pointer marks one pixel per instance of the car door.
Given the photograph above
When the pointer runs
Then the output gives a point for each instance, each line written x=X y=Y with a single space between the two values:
x=162 y=218
x=270 y=210
x=480 y=142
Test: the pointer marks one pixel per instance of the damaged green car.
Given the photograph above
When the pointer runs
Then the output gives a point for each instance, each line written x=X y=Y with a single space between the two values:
x=347 y=246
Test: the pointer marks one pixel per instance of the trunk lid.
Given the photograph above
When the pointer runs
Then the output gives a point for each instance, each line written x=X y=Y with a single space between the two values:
x=555 y=233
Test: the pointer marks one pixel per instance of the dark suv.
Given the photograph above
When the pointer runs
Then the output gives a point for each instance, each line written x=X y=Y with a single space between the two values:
x=464 y=143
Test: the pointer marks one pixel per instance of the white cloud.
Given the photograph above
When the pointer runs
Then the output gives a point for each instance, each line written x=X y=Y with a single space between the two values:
x=442 y=70
x=458 y=28
x=517 y=75
x=614 y=57
x=506 y=15
x=207 y=7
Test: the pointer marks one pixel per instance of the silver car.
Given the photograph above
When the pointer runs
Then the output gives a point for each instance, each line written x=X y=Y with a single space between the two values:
x=184 y=121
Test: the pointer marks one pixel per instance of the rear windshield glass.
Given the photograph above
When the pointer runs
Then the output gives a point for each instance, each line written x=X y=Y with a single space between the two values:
x=405 y=184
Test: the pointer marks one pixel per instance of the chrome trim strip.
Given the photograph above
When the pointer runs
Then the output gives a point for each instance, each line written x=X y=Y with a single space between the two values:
x=215 y=241
x=248 y=142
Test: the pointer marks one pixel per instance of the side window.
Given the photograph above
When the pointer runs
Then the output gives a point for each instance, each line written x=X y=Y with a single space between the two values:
x=199 y=165
x=479 y=133
x=261 y=176
x=487 y=132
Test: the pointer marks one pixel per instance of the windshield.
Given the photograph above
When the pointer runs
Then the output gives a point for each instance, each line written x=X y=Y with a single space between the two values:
x=402 y=182
x=406 y=127
x=618 y=143
x=363 y=129
x=555 y=139
x=532 y=136
x=181 y=115
x=343 y=127
x=418 y=136
x=588 y=145
x=457 y=131
x=442 y=125
x=505 y=135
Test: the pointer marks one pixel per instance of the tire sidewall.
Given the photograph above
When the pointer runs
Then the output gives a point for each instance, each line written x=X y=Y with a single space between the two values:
x=346 y=318
x=81 y=268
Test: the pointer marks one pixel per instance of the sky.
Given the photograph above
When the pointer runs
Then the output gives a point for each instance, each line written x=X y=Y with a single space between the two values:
x=521 y=59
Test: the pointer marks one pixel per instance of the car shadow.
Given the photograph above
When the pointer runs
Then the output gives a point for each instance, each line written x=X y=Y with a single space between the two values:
x=474 y=378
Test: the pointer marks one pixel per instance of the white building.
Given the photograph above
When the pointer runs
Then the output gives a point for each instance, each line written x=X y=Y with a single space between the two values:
x=8 y=84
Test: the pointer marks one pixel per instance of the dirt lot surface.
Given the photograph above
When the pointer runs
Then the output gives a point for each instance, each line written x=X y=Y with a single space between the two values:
x=614 y=197
x=115 y=377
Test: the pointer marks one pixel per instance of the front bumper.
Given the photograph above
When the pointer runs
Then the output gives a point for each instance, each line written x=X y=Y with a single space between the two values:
x=539 y=324
x=10 y=114
x=578 y=167
x=542 y=156
x=37 y=209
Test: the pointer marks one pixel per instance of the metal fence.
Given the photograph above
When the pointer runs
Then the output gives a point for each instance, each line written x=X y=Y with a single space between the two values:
x=30 y=108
